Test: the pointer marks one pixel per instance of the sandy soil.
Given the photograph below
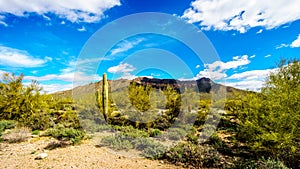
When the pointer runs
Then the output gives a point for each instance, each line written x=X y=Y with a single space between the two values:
x=86 y=155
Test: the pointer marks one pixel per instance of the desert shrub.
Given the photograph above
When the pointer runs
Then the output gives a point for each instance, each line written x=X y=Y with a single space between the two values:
x=194 y=156
x=259 y=163
x=6 y=124
x=269 y=121
x=123 y=141
x=24 y=104
x=69 y=118
x=118 y=142
x=191 y=136
x=132 y=132
x=154 y=150
x=176 y=133
x=17 y=135
x=75 y=136
x=35 y=132
x=56 y=144
x=216 y=141
x=154 y=132
x=271 y=163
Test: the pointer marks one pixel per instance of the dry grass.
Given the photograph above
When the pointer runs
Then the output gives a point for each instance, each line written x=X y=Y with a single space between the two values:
x=17 y=135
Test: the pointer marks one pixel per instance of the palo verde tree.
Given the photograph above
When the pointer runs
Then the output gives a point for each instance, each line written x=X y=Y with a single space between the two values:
x=270 y=120
x=24 y=104
x=139 y=96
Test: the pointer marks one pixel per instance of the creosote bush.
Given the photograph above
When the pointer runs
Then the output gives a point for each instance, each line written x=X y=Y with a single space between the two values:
x=61 y=133
x=194 y=156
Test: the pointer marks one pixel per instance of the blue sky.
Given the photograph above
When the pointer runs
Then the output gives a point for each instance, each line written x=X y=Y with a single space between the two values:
x=45 y=39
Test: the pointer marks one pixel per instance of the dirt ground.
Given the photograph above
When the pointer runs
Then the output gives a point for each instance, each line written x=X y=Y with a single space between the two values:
x=86 y=155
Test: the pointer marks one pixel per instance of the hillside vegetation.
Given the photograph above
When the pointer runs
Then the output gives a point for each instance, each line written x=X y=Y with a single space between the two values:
x=255 y=129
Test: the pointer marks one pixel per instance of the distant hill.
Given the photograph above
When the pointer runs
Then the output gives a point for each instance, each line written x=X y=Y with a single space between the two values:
x=202 y=85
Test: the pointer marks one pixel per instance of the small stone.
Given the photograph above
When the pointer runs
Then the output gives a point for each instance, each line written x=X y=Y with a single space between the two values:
x=161 y=161
x=41 y=156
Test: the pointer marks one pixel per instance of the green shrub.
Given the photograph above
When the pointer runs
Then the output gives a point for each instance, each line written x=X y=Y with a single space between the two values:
x=24 y=104
x=154 y=132
x=194 y=156
x=176 y=133
x=35 y=132
x=130 y=131
x=66 y=134
x=271 y=163
x=269 y=121
x=154 y=150
x=259 y=164
x=118 y=142
x=121 y=141
x=6 y=124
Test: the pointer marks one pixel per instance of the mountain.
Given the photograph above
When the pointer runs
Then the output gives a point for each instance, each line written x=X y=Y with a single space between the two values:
x=203 y=85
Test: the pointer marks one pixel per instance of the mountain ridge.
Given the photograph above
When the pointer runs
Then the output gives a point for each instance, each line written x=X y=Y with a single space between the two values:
x=202 y=85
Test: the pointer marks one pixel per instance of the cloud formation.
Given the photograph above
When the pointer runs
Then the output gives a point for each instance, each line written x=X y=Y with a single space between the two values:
x=74 y=11
x=242 y=15
x=296 y=43
x=216 y=70
x=18 y=58
x=125 y=46
x=249 y=80
x=121 y=68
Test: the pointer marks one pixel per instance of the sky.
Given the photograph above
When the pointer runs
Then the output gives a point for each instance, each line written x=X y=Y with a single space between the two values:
x=59 y=43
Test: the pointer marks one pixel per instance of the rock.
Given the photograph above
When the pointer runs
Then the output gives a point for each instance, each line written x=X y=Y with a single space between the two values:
x=41 y=156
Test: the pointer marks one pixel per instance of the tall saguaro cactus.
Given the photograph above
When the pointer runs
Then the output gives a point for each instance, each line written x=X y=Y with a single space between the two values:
x=102 y=97
x=105 y=96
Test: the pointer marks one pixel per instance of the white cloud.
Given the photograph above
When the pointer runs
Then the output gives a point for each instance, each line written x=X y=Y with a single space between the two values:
x=125 y=46
x=19 y=58
x=269 y=55
x=125 y=69
x=282 y=46
x=214 y=75
x=121 y=68
x=52 y=88
x=249 y=80
x=260 y=31
x=243 y=14
x=46 y=17
x=34 y=72
x=252 y=74
x=82 y=29
x=74 y=11
x=2 y=22
x=253 y=85
x=216 y=70
x=296 y=43
x=66 y=77
x=197 y=66
x=253 y=56
x=235 y=63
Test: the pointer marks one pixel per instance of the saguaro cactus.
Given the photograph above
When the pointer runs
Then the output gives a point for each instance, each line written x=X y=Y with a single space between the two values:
x=102 y=97
x=105 y=96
